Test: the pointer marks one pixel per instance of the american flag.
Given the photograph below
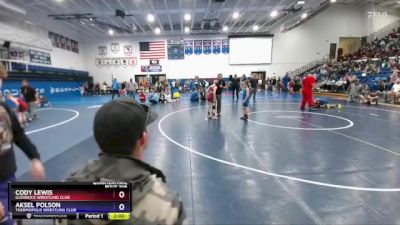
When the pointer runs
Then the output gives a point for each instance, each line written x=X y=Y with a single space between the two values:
x=152 y=50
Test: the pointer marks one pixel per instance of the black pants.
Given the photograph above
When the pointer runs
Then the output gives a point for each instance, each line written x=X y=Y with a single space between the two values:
x=115 y=92
x=235 y=89
x=254 y=93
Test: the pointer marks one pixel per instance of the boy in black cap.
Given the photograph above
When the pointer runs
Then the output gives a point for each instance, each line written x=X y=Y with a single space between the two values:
x=120 y=131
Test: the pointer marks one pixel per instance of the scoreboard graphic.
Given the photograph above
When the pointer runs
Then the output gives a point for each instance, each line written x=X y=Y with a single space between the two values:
x=64 y=200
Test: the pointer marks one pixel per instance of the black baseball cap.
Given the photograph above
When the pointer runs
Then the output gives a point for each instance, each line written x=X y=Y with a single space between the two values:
x=119 y=124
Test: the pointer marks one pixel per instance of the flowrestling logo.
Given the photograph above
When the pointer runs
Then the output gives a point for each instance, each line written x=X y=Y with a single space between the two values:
x=373 y=14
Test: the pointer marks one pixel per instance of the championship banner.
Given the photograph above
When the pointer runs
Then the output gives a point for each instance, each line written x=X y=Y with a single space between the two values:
x=128 y=50
x=103 y=50
x=132 y=62
x=198 y=47
x=108 y=62
x=124 y=62
x=225 y=46
x=115 y=48
x=59 y=41
x=68 y=44
x=207 y=47
x=216 y=46
x=116 y=62
x=99 y=62
x=176 y=49
x=189 y=47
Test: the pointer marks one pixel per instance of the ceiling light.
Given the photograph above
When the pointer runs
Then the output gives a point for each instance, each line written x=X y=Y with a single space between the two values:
x=301 y=2
x=111 y=32
x=90 y=18
x=304 y=15
x=235 y=15
x=59 y=0
x=157 y=30
x=187 y=29
x=333 y=1
x=256 y=27
x=274 y=13
x=225 y=28
x=187 y=17
x=150 y=18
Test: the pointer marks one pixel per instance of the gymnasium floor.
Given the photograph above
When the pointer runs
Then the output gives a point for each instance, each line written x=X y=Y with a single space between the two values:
x=282 y=167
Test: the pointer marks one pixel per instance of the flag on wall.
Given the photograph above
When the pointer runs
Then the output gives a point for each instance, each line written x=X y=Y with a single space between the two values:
x=152 y=50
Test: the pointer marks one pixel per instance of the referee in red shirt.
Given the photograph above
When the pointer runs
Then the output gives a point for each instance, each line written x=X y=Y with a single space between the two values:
x=308 y=85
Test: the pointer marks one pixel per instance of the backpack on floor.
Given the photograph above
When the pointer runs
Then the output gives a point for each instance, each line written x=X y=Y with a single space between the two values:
x=194 y=97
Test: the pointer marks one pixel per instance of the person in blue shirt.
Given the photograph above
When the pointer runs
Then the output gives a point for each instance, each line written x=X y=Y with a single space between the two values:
x=285 y=81
x=246 y=93
x=115 y=88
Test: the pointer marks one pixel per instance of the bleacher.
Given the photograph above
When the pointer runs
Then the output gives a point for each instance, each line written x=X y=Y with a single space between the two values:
x=20 y=70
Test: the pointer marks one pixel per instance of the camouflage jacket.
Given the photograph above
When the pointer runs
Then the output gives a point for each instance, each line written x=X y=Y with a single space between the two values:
x=152 y=202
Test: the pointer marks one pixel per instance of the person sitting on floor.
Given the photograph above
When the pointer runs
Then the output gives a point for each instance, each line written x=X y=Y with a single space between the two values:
x=323 y=103
x=395 y=92
x=43 y=101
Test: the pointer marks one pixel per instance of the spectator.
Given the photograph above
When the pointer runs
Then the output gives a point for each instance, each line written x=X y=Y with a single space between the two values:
x=132 y=88
x=120 y=130
x=353 y=92
x=29 y=95
x=253 y=86
x=235 y=87
x=220 y=87
x=12 y=132
x=395 y=91
x=115 y=88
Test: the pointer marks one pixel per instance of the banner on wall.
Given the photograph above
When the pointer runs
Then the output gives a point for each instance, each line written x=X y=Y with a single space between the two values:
x=49 y=89
x=225 y=46
x=124 y=62
x=176 y=49
x=154 y=62
x=115 y=48
x=39 y=57
x=189 y=47
x=116 y=62
x=17 y=55
x=59 y=41
x=216 y=46
x=132 y=61
x=99 y=62
x=128 y=50
x=151 y=68
x=108 y=62
x=103 y=50
x=207 y=47
x=198 y=47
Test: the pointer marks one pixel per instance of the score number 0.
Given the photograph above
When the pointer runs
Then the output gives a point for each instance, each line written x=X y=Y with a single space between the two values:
x=121 y=195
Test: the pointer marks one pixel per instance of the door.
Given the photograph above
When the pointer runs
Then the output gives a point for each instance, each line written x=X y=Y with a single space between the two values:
x=157 y=77
x=332 y=51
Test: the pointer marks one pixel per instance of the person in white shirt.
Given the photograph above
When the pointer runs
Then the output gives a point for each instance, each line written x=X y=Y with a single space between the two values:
x=395 y=92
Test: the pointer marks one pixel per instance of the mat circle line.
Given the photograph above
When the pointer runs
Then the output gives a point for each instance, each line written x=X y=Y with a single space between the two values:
x=330 y=185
